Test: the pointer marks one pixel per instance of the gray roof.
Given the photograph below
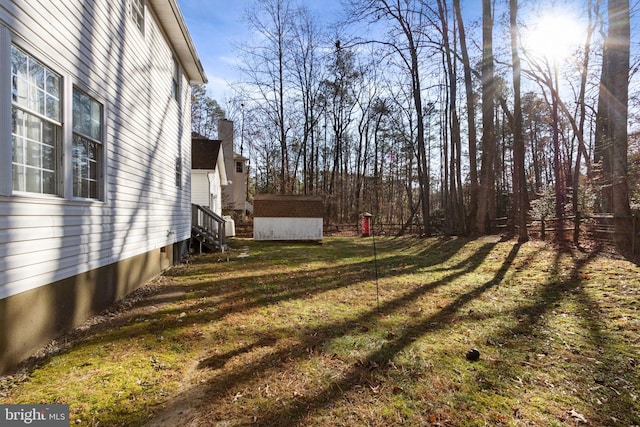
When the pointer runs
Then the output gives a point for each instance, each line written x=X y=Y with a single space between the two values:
x=204 y=152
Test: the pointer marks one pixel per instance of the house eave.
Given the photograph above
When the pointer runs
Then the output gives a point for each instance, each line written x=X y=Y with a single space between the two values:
x=239 y=158
x=172 y=21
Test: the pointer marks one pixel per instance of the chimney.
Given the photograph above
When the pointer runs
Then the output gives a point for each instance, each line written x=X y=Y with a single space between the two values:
x=225 y=134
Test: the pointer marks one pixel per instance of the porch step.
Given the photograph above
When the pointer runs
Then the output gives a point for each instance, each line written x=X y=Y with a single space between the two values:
x=207 y=239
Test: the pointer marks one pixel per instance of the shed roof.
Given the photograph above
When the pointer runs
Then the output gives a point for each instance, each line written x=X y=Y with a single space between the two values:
x=287 y=206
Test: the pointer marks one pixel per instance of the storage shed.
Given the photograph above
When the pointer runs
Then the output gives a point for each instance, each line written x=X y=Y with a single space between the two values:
x=287 y=217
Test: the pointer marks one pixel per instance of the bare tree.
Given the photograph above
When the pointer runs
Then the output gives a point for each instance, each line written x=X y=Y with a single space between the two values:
x=273 y=20
x=471 y=113
x=456 y=220
x=307 y=69
x=486 y=200
x=339 y=89
x=519 y=181
x=205 y=112
x=611 y=121
x=407 y=24
x=592 y=9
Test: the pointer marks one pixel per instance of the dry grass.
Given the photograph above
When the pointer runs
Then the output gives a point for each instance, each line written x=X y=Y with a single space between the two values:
x=296 y=334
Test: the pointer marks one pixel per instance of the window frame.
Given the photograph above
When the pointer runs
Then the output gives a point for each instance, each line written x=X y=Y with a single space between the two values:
x=6 y=149
x=64 y=132
x=176 y=81
x=98 y=161
x=55 y=125
x=138 y=14
x=179 y=172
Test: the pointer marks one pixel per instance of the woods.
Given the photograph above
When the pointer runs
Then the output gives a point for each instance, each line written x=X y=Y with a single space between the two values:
x=441 y=117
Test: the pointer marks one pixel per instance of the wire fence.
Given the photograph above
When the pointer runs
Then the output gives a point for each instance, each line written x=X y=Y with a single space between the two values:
x=594 y=227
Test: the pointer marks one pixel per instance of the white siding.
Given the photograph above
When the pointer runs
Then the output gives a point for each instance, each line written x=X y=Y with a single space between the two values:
x=200 y=193
x=206 y=189
x=266 y=228
x=216 y=192
x=96 y=46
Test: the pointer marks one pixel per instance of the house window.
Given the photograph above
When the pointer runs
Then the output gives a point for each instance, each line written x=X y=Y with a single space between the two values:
x=137 y=12
x=179 y=172
x=175 y=88
x=239 y=167
x=87 y=145
x=36 y=124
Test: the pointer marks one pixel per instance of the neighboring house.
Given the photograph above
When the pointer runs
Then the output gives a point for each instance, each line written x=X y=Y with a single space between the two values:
x=235 y=193
x=208 y=176
x=95 y=156
x=208 y=173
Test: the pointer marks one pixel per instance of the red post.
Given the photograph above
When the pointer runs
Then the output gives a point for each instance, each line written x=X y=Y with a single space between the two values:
x=366 y=224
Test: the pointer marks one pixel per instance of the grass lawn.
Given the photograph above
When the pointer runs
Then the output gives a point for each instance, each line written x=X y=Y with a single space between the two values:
x=276 y=334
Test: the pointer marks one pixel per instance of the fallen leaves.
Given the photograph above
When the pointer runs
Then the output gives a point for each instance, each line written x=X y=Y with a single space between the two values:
x=575 y=415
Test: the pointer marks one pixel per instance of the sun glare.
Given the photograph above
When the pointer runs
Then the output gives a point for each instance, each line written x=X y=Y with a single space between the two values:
x=553 y=37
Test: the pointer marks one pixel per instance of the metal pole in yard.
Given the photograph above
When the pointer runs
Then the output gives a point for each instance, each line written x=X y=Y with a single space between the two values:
x=375 y=263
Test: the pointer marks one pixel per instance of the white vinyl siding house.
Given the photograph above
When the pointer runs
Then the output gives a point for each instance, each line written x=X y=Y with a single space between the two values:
x=94 y=121
x=208 y=173
x=206 y=189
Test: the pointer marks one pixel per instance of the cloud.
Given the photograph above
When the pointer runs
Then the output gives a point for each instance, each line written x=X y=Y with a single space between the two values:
x=220 y=88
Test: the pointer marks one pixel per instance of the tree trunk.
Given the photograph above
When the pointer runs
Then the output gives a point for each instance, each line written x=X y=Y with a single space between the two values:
x=583 y=113
x=557 y=168
x=617 y=53
x=487 y=179
x=521 y=202
x=284 y=150
x=471 y=115
x=457 y=214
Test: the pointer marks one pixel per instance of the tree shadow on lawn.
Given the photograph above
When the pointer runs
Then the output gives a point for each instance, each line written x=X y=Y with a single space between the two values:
x=218 y=361
x=562 y=285
x=411 y=333
x=215 y=296
x=211 y=297
x=162 y=308
x=530 y=315
x=591 y=373
x=310 y=338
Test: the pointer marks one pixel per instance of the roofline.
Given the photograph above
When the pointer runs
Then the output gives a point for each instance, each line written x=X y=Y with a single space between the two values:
x=171 y=19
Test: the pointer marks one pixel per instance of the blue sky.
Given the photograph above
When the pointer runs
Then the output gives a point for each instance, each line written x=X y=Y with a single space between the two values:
x=216 y=27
